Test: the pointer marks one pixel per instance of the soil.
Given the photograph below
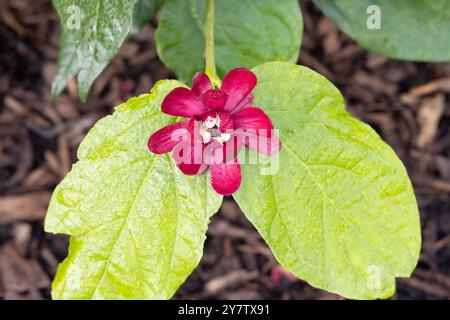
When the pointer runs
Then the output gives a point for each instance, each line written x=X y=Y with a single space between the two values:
x=406 y=102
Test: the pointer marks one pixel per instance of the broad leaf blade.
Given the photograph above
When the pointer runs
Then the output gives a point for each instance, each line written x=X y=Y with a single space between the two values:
x=410 y=29
x=137 y=223
x=67 y=63
x=340 y=211
x=92 y=32
x=143 y=11
x=247 y=33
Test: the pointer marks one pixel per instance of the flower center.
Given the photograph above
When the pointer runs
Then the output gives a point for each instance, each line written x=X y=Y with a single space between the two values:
x=216 y=126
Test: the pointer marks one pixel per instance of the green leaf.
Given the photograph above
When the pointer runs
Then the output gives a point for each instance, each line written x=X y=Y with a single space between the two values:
x=143 y=11
x=410 y=29
x=67 y=63
x=91 y=33
x=247 y=33
x=137 y=223
x=340 y=209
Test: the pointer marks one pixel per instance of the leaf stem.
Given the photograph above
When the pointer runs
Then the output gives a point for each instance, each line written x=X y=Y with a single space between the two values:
x=210 y=67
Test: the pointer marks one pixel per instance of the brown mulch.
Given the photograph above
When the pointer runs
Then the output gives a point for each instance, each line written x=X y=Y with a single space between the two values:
x=406 y=102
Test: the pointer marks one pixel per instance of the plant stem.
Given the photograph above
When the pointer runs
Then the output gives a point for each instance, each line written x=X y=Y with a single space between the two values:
x=210 y=67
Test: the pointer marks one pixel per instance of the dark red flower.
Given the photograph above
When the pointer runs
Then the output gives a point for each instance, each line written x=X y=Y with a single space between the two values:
x=220 y=122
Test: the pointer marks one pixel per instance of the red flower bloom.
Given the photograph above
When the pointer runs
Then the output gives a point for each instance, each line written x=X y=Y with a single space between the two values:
x=220 y=122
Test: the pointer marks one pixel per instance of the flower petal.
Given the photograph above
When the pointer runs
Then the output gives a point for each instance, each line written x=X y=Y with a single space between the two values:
x=226 y=177
x=216 y=152
x=192 y=169
x=188 y=155
x=238 y=83
x=252 y=118
x=181 y=102
x=257 y=128
x=226 y=123
x=200 y=84
x=214 y=99
x=165 y=139
x=245 y=103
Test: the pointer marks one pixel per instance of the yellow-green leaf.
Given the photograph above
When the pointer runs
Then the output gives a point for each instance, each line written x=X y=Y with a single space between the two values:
x=137 y=223
x=338 y=210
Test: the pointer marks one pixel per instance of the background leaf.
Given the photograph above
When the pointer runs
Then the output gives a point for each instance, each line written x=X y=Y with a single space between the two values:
x=143 y=11
x=247 y=33
x=340 y=209
x=91 y=33
x=410 y=29
x=137 y=223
